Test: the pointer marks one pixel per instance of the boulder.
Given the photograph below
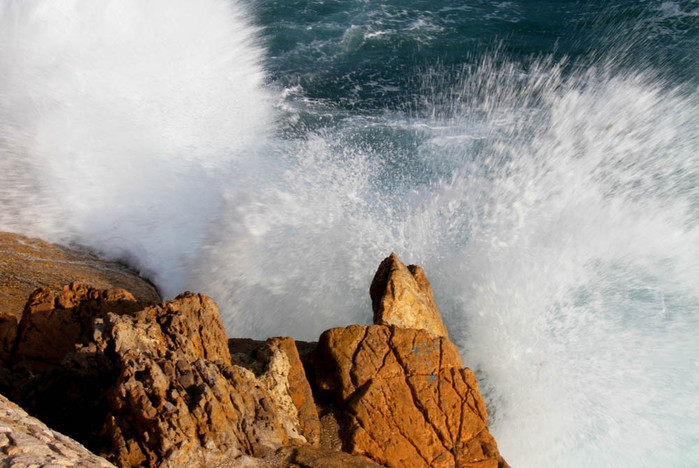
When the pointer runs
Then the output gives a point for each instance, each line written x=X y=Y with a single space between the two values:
x=27 y=264
x=178 y=400
x=25 y=441
x=284 y=376
x=151 y=385
x=277 y=365
x=44 y=374
x=399 y=386
x=402 y=296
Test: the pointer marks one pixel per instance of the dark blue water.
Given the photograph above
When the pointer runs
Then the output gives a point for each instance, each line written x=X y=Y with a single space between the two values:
x=368 y=56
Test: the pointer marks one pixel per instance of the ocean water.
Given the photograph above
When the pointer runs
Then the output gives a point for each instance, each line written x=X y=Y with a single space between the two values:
x=539 y=159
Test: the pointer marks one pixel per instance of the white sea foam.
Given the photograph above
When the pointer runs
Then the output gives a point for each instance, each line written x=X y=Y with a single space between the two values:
x=120 y=121
x=556 y=217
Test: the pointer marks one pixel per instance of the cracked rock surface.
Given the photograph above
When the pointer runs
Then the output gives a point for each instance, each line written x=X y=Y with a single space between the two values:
x=405 y=398
x=277 y=364
x=178 y=400
x=27 y=442
x=160 y=385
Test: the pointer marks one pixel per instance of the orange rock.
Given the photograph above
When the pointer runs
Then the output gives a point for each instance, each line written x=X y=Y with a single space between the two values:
x=27 y=264
x=298 y=388
x=408 y=401
x=178 y=400
x=277 y=364
x=400 y=385
x=402 y=296
x=54 y=322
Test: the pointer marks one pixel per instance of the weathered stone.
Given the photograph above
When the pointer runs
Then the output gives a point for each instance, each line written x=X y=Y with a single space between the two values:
x=153 y=387
x=27 y=442
x=407 y=400
x=27 y=264
x=277 y=364
x=178 y=400
x=46 y=377
x=402 y=296
x=356 y=354
x=54 y=322
x=297 y=387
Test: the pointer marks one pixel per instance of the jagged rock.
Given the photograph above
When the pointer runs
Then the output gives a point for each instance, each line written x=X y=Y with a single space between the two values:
x=402 y=394
x=178 y=400
x=402 y=296
x=278 y=366
x=162 y=386
x=54 y=322
x=407 y=400
x=27 y=442
x=43 y=374
x=284 y=375
x=152 y=387
x=27 y=264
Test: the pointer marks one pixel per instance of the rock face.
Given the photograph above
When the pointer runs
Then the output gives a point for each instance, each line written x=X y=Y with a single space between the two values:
x=405 y=398
x=160 y=385
x=54 y=322
x=27 y=442
x=178 y=400
x=44 y=373
x=27 y=264
x=156 y=386
x=402 y=296
x=285 y=378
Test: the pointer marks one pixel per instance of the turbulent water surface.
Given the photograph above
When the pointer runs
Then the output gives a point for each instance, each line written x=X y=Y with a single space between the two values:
x=539 y=158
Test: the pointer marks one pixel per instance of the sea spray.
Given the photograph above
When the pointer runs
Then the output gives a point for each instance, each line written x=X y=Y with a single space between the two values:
x=557 y=218
x=122 y=121
x=553 y=203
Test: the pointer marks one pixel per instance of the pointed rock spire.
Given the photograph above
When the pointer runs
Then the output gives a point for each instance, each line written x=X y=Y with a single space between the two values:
x=402 y=296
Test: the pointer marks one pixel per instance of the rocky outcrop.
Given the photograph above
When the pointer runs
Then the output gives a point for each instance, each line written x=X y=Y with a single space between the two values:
x=277 y=364
x=27 y=264
x=55 y=322
x=404 y=397
x=161 y=385
x=27 y=442
x=44 y=373
x=177 y=399
x=402 y=296
x=158 y=383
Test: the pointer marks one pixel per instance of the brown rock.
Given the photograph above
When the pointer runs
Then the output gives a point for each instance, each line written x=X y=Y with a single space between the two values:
x=178 y=400
x=54 y=322
x=27 y=264
x=294 y=383
x=154 y=387
x=402 y=396
x=402 y=296
x=277 y=364
x=356 y=354
x=407 y=400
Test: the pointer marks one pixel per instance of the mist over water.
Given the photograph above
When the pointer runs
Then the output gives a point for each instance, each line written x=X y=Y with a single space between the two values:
x=121 y=123
x=553 y=202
